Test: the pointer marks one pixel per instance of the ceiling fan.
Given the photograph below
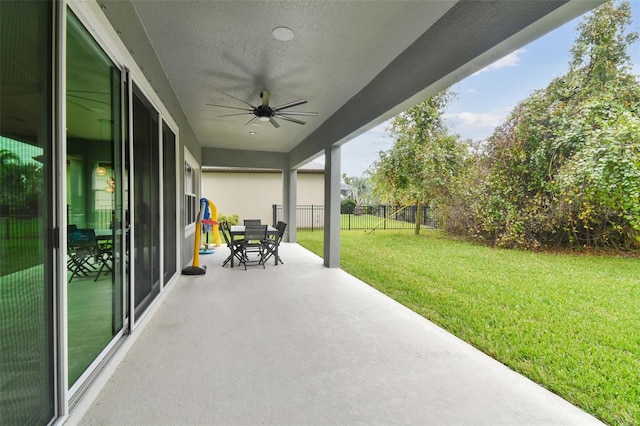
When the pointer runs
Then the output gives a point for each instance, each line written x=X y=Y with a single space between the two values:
x=264 y=112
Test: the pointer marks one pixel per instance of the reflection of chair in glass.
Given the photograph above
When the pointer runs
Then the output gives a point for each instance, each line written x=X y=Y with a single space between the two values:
x=82 y=247
x=105 y=254
x=84 y=251
x=235 y=248
x=253 y=245
x=272 y=243
x=70 y=260
x=252 y=222
x=80 y=250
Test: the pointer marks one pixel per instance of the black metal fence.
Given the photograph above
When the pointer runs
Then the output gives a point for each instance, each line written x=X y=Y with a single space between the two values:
x=311 y=217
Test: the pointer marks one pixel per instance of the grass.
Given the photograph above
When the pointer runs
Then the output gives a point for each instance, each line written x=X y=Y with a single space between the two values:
x=25 y=358
x=568 y=322
x=20 y=244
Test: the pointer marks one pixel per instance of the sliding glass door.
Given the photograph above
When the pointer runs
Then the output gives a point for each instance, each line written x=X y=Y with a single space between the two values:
x=26 y=214
x=95 y=227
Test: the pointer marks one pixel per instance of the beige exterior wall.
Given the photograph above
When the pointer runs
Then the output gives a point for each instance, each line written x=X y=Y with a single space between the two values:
x=252 y=195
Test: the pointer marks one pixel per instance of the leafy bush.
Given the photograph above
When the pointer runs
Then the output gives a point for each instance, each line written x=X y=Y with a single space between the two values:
x=347 y=206
x=233 y=219
x=564 y=168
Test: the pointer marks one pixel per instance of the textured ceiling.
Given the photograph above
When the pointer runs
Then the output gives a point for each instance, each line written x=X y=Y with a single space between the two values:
x=210 y=47
x=356 y=62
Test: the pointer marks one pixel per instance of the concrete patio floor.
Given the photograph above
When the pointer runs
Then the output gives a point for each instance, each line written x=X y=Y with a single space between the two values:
x=303 y=344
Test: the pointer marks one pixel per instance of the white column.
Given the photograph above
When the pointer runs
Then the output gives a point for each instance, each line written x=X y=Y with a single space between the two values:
x=332 y=207
x=289 y=202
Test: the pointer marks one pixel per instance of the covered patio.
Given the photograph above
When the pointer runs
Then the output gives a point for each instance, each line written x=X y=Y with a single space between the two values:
x=300 y=343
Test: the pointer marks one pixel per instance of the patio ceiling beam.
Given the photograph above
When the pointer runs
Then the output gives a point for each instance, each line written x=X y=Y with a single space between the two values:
x=219 y=157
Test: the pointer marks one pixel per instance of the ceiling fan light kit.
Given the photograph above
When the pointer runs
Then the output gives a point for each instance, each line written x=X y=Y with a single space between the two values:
x=264 y=112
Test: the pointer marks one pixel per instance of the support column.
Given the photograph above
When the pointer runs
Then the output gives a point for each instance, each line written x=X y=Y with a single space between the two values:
x=332 y=207
x=289 y=203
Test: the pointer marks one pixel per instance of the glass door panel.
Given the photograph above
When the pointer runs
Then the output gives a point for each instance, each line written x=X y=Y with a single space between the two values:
x=146 y=201
x=26 y=214
x=95 y=228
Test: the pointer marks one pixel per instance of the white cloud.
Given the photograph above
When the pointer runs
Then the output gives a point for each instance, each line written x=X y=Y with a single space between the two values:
x=473 y=125
x=511 y=60
x=473 y=119
x=380 y=131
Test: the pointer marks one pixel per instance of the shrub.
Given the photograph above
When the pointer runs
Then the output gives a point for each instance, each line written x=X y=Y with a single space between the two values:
x=347 y=206
x=232 y=219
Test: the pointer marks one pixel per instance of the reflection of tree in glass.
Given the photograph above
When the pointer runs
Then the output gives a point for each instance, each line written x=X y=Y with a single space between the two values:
x=20 y=185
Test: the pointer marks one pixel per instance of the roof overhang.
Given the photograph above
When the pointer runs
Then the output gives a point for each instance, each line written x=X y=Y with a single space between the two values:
x=357 y=63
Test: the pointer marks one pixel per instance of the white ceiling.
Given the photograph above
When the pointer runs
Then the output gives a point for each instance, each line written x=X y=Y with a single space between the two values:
x=228 y=47
x=356 y=62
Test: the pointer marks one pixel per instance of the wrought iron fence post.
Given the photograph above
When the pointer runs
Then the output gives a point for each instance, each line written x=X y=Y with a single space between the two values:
x=384 y=216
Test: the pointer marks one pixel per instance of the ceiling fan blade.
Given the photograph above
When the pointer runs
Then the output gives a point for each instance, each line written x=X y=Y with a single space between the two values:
x=309 y=114
x=231 y=115
x=224 y=106
x=265 y=95
x=293 y=120
x=71 y=101
x=84 y=98
x=274 y=122
x=238 y=99
x=89 y=91
x=250 y=121
x=290 y=104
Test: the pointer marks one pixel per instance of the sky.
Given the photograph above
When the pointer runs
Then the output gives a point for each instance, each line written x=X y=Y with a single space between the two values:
x=484 y=99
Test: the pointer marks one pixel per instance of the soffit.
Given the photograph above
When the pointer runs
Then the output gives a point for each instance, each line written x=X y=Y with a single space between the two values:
x=356 y=62
x=210 y=47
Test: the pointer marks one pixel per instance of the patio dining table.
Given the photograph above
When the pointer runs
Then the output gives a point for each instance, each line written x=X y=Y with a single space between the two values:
x=236 y=232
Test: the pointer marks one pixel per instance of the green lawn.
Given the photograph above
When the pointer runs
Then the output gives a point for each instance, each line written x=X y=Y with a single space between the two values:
x=568 y=322
x=20 y=244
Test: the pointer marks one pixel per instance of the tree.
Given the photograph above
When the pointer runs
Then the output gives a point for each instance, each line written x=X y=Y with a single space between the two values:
x=565 y=166
x=423 y=160
x=20 y=184
x=359 y=188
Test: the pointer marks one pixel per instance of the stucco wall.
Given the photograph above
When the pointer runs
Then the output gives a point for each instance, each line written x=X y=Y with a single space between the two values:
x=252 y=195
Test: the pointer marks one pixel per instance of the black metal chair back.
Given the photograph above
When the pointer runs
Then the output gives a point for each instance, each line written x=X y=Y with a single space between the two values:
x=235 y=247
x=254 y=244
x=273 y=243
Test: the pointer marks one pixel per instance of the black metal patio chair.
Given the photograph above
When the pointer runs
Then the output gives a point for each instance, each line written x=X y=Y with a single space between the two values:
x=253 y=245
x=272 y=244
x=235 y=247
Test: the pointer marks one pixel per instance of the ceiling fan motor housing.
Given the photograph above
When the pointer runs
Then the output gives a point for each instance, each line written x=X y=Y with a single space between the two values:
x=266 y=113
x=263 y=111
